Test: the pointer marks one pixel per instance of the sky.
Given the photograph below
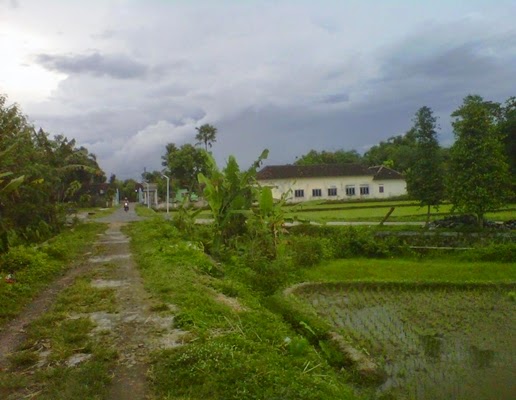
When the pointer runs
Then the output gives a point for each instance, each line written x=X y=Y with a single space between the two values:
x=126 y=77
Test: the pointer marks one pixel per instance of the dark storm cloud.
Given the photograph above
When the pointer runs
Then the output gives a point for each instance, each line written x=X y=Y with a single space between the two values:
x=464 y=61
x=309 y=78
x=407 y=80
x=115 y=66
x=442 y=75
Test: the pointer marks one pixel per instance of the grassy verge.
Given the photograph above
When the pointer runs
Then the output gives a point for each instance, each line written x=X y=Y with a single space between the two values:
x=412 y=270
x=60 y=358
x=237 y=348
x=36 y=267
x=144 y=211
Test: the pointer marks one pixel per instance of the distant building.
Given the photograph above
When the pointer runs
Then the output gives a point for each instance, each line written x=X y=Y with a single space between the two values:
x=182 y=193
x=332 y=182
x=149 y=194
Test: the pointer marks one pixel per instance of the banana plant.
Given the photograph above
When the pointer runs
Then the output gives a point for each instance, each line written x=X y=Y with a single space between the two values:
x=11 y=185
x=270 y=213
x=229 y=194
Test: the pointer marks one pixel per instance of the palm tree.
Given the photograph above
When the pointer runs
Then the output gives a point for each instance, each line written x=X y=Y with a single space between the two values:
x=206 y=134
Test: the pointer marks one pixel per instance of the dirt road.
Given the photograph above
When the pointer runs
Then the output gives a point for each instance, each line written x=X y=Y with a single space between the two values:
x=133 y=328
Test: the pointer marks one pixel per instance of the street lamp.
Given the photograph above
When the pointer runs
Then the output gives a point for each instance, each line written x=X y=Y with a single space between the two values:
x=168 y=190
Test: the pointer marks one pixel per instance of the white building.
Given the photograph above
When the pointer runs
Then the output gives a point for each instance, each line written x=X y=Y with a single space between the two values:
x=332 y=182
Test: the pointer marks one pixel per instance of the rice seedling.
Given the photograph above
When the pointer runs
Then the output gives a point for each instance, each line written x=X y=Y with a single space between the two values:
x=440 y=341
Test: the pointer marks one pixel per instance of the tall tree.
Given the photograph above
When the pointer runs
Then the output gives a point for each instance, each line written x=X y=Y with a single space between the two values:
x=425 y=177
x=398 y=152
x=508 y=130
x=314 y=157
x=479 y=179
x=206 y=134
x=36 y=174
x=184 y=164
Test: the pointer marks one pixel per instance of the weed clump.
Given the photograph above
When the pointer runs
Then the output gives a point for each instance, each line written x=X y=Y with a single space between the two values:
x=22 y=257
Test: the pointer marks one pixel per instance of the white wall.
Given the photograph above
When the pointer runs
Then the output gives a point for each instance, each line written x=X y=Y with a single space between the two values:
x=391 y=188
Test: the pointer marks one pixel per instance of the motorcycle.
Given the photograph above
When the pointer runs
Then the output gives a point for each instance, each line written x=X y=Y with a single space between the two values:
x=126 y=207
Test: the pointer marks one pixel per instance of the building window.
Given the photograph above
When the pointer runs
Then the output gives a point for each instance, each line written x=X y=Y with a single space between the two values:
x=299 y=193
x=316 y=192
x=350 y=190
x=380 y=189
x=332 y=192
x=364 y=190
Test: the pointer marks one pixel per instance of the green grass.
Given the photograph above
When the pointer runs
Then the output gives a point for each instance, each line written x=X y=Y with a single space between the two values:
x=62 y=337
x=144 y=211
x=405 y=213
x=427 y=339
x=46 y=262
x=373 y=211
x=412 y=270
x=231 y=354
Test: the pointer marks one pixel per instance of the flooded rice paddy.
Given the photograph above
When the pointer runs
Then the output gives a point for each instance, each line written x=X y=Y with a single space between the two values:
x=432 y=342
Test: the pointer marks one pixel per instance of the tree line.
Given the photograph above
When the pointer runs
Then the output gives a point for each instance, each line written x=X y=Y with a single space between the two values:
x=476 y=174
x=39 y=177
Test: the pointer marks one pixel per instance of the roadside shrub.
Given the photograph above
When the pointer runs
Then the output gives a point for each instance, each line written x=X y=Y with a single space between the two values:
x=307 y=251
x=21 y=257
x=56 y=250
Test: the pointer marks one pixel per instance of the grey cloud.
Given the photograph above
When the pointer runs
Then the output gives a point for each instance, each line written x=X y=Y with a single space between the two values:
x=115 y=66
x=10 y=4
x=461 y=62
x=259 y=91
x=292 y=132
x=442 y=73
x=336 y=98
x=169 y=90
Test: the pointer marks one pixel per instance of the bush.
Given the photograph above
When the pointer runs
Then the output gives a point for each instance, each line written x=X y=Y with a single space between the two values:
x=326 y=242
x=261 y=271
x=307 y=251
x=494 y=252
x=21 y=257
x=56 y=250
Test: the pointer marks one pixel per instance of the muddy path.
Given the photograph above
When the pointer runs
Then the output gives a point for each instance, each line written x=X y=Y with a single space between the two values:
x=134 y=329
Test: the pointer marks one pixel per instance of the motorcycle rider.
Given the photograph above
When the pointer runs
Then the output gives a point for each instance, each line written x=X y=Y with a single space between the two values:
x=126 y=204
